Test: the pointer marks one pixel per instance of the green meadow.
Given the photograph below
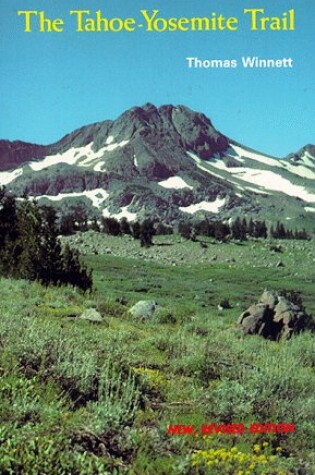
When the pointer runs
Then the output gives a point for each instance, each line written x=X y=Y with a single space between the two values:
x=85 y=398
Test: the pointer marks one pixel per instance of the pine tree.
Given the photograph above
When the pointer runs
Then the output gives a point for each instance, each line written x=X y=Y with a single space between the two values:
x=280 y=232
x=185 y=230
x=67 y=224
x=73 y=272
x=260 y=230
x=251 y=227
x=136 y=230
x=50 y=262
x=8 y=232
x=30 y=249
x=29 y=243
x=238 y=229
x=94 y=225
x=146 y=233
x=124 y=226
x=222 y=230
x=244 y=227
x=111 y=226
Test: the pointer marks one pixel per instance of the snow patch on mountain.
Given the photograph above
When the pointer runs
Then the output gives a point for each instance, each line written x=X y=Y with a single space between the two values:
x=308 y=159
x=273 y=181
x=7 y=177
x=99 y=167
x=175 y=182
x=70 y=157
x=114 y=145
x=243 y=152
x=256 y=190
x=199 y=162
x=81 y=156
x=109 y=140
x=265 y=179
x=297 y=169
x=212 y=207
x=97 y=196
x=90 y=155
x=270 y=180
x=300 y=170
x=309 y=209
x=124 y=213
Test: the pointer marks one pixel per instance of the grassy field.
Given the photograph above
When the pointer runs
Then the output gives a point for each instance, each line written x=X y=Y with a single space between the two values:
x=82 y=398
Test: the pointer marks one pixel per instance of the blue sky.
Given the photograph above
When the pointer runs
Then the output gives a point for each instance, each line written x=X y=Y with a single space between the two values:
x=54 y=83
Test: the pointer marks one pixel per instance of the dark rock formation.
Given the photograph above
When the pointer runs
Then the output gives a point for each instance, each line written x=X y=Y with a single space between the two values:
x=274 y=317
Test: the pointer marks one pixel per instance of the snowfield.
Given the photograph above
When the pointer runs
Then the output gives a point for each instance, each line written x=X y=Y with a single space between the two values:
x=114 y=145
x=175 y=182
x=309 y=209
x=7 y=177
x=264 y=179
x=300 y=170
x=213 y=206
x=97 y=196
x=109 y=140
x=81 y=156
x=124 y=213
x=259 y=157
x=70 y=157
x=99 y=167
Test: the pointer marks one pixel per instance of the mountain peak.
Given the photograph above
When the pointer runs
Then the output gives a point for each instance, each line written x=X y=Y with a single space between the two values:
x=168 y=160
x=148 y=106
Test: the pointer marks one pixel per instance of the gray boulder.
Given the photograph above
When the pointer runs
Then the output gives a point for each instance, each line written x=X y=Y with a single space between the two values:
x=91 y=315
x=145 y=310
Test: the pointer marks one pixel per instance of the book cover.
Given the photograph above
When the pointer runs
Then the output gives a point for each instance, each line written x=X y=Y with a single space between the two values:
x=157 y=174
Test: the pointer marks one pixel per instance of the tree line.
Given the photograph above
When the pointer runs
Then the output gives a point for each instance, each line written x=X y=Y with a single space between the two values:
x=30 y=248
x=239 y=229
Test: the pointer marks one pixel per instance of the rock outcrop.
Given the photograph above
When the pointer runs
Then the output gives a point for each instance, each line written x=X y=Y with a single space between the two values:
x=274 y=317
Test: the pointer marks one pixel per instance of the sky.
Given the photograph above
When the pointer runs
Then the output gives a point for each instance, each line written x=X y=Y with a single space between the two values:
x=54 y=83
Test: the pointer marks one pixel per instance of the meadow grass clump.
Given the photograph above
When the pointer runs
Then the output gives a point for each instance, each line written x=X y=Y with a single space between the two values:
x=167 y=317
x=117 y=399
x=110 y=308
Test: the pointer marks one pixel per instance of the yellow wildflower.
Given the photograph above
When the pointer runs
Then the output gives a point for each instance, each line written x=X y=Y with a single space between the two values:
x=257 y=448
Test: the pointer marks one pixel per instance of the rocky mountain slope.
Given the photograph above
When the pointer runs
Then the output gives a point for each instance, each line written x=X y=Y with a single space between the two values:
x=167 y=162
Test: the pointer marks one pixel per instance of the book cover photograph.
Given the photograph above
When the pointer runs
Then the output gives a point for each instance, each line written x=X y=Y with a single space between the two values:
x=157 y=237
